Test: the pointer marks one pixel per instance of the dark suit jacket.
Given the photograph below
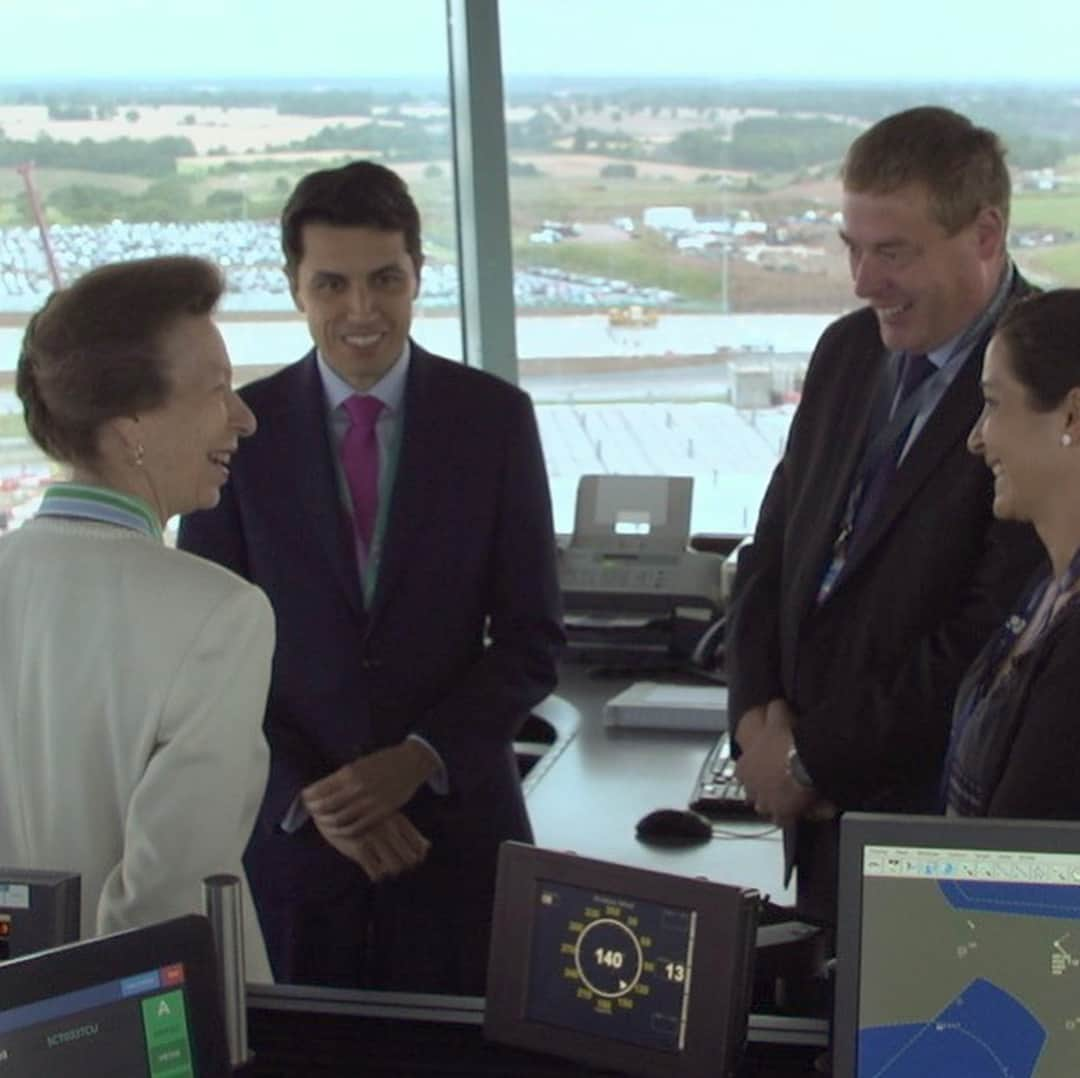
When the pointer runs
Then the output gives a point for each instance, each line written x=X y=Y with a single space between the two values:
x=1026 y=748
x=458 y=645
x=871 y=673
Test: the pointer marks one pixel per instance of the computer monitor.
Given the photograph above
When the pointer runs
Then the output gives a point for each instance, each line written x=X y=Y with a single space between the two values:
x=142 y=1004
x=618 y=967
x=958 y=947
x=38 y=909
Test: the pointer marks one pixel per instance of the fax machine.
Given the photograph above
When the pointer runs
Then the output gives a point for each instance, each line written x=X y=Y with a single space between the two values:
x=632 y=588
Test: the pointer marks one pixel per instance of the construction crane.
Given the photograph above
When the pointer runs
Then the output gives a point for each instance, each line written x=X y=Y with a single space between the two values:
x=26 y=171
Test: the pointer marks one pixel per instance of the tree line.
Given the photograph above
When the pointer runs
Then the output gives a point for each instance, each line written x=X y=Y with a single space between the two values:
x=130 y=156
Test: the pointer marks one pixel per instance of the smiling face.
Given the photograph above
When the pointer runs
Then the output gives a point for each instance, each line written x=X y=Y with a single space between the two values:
x=924 y=285
x=1021 y=445
x=188 y=440
x=356 y=286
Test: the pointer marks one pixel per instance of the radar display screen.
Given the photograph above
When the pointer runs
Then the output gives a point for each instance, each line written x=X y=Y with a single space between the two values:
x=640 y=972
x=610 y=965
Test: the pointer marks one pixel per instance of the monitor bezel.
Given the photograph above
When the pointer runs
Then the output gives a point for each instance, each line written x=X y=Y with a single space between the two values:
x=74 y=966
x=723 y=963
x=861 y=829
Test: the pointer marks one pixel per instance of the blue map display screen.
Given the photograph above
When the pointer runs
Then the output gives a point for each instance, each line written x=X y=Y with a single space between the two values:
x=970 y=964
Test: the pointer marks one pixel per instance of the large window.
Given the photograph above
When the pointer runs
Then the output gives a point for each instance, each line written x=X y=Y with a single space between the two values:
x=140 y=131
x=671 y=173
x=674 y=199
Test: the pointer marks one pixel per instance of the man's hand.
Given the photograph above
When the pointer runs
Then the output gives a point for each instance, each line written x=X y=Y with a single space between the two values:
x=353 y=799
x=764 y=735
x=389 y=848
x=748 y=727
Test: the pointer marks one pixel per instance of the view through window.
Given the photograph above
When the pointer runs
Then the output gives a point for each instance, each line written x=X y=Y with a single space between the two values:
x=137 y=132
x=675 y=207
x=672 y=176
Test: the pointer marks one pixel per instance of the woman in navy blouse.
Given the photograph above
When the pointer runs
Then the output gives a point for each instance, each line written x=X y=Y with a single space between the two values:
x=1015 y=747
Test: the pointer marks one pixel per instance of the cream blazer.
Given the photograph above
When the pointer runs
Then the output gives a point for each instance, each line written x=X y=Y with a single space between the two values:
x=133 y=680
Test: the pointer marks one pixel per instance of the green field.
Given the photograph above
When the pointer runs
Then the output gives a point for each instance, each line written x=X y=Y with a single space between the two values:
x=1059 y=211
x=11 y=426
x=1053 y=267
x=599 y=199
x=567 y=188
x=647 y=260
x=46 y=180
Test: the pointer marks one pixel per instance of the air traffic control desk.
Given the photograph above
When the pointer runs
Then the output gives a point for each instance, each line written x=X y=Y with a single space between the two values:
x=585 y=792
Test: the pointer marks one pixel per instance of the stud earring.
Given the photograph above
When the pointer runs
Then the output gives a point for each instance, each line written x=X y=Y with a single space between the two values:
x=140 y=454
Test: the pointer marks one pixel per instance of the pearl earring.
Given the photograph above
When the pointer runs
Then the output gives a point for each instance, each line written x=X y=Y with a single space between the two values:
x=140 y=454
x=1066 y=439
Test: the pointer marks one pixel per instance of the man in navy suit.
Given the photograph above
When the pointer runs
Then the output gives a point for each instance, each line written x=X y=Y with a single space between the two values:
x=407 y=658
x=877 y=569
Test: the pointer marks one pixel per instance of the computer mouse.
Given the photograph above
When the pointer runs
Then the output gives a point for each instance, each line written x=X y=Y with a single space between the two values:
x=673 y=827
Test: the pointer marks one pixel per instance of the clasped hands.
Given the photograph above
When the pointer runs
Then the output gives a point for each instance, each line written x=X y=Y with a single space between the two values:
x=357 y=808
x=764 y=736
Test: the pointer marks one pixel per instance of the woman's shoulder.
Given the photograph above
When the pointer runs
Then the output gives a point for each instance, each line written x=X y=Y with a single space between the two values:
x=196 y=579
x=1062 y=643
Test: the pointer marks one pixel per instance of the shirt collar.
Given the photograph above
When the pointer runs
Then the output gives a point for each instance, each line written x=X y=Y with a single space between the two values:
x=942 y=354
x=957 y=346
x=390 y=388
x=106 y=506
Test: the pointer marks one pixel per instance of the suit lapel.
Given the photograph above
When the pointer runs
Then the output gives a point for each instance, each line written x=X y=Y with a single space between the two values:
x=948 y=423
x=825 y=510
x=302 y=461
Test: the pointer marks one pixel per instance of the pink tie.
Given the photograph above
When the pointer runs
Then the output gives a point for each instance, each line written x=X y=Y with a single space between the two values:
x=360 y=459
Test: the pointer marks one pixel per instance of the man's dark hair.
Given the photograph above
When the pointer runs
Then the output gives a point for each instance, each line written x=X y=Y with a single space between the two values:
x=92 y=352
x=962 y=166
x=362 y=194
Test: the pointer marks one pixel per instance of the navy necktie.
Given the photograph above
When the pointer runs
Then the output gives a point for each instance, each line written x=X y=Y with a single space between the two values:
x=916 y=369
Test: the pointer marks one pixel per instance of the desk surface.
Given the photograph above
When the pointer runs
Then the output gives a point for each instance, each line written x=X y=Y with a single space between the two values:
x=602 y=781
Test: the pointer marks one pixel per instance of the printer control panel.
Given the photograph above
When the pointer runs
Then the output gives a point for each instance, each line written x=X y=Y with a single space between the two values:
x=589 y=571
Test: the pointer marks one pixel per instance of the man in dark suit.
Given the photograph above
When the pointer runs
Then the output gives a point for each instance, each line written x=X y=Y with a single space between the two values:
x=417 y=610
x=877 y=570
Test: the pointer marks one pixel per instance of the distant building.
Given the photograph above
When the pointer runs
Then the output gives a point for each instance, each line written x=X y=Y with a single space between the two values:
x=751 y=228
x=751 y=387
x=545 y=235
x=669 y=218
x=1039 y=179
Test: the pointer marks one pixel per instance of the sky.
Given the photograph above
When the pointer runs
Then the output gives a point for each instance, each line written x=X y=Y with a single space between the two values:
x=919 y=40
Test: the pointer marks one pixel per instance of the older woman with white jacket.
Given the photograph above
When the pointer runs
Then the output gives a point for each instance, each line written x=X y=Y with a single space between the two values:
x=133 y=676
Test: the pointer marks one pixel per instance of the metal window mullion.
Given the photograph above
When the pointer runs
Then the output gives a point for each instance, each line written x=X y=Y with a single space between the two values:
x=482 y=199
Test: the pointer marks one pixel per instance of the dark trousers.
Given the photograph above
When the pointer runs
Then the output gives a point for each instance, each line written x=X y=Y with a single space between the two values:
x=427 y=931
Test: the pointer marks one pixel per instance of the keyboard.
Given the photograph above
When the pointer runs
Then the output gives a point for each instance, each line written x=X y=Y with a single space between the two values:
x=717 y=792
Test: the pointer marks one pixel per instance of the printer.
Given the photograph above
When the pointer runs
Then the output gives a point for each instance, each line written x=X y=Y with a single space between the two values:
x=633 y=591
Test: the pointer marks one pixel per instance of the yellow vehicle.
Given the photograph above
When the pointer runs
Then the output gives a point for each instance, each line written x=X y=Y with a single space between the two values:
x=635 y=316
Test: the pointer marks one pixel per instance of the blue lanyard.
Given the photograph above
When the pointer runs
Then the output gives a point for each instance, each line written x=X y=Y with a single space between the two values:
x=994 y=662
x=999 y=651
